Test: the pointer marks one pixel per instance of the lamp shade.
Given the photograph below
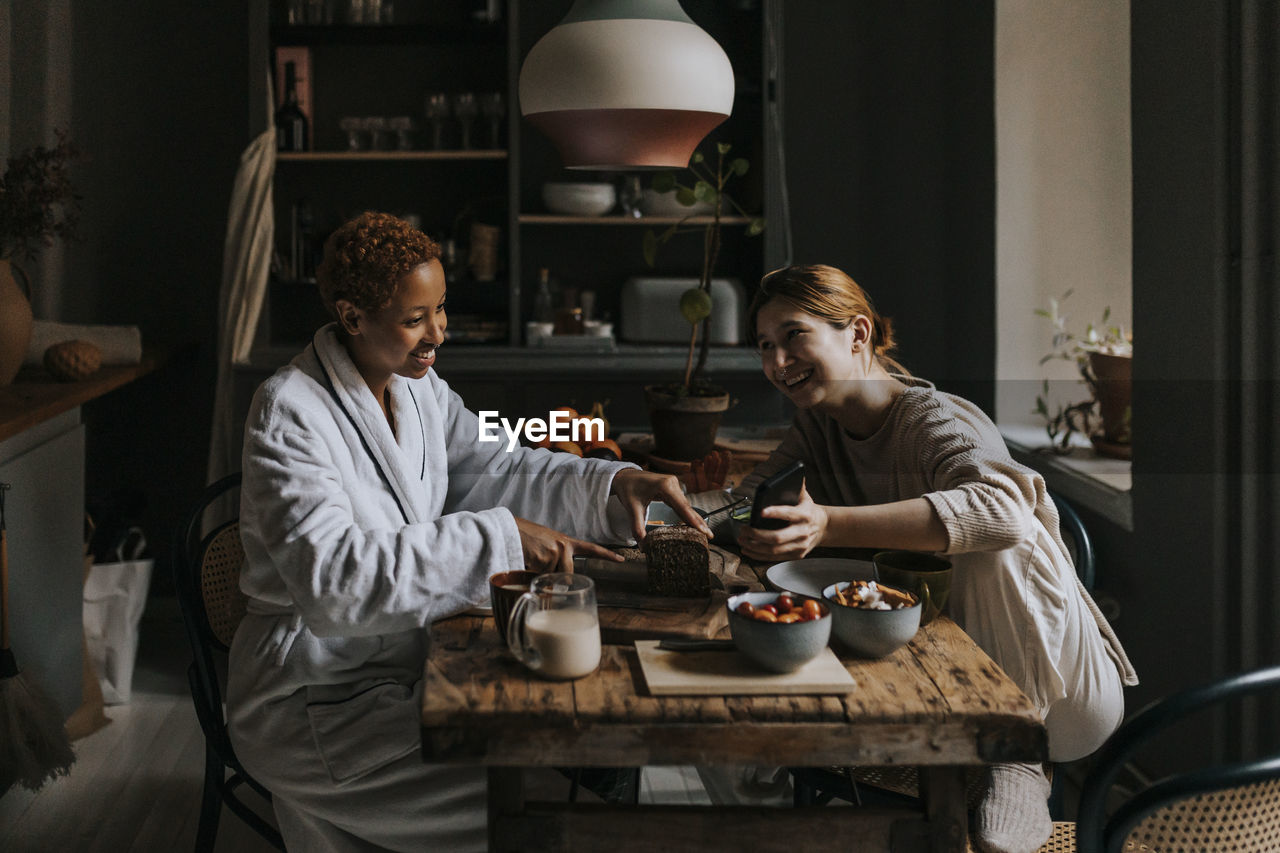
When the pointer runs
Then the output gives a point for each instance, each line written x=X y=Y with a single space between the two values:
x=626 y=84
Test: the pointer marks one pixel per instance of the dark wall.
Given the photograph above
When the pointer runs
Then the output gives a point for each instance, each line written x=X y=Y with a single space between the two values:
x=159 y=105
x=1206 y=218
x=890 y=145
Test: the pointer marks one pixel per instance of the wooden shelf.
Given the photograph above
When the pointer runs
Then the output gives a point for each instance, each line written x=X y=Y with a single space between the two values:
x=618 y=219
x=390 y=156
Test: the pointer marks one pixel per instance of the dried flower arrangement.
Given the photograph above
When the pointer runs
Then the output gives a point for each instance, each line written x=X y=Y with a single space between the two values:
x=38 y=202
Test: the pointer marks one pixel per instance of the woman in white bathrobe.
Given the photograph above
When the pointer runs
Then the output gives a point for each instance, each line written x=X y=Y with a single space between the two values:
x=369 y=508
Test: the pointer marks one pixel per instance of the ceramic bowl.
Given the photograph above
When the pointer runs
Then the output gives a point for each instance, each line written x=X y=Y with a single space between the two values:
x=653 y=203
x=579 y=199
x=871 y=633
x=777 y=646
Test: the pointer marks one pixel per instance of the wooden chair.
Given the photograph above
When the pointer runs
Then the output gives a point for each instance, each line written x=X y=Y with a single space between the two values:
x=1232 y=806
x=206 y=573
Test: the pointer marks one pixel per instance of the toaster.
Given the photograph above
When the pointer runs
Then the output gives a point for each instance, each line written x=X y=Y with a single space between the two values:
x=650 y=311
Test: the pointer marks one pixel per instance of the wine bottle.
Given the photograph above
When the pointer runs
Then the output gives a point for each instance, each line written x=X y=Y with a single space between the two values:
x=542 y=310
x=291 y=121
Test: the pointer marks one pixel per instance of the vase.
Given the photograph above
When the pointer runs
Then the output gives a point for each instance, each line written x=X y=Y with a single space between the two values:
x=1114 y=388
x=684 y=426
x=15 y=324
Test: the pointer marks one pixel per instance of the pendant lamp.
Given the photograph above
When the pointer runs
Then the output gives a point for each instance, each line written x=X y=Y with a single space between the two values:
x=626 y=84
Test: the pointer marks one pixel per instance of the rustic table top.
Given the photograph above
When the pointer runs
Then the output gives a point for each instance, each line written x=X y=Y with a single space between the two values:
x=937 y=701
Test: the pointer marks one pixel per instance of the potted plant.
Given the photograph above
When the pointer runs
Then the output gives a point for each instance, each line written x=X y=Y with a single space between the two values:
x=38 y=204
x=685 y=414
x=1104 y=358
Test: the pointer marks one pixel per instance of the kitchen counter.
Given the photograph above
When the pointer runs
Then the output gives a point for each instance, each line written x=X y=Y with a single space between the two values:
x=42 y=457
x=35 y=396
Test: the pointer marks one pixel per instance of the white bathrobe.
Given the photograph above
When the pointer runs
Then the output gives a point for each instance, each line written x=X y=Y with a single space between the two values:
x=357 y=538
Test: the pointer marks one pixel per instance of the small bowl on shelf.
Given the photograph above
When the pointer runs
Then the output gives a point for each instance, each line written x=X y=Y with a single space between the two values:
x=873 y=633
x=579 y=199
x=778 y=646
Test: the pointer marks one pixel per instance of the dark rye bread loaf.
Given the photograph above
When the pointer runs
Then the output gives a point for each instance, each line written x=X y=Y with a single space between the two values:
x=678 y=562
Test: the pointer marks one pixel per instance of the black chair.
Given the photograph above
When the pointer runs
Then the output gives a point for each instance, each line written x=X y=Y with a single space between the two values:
x=1232 y=806
x=1079 y=545
x=206 y=573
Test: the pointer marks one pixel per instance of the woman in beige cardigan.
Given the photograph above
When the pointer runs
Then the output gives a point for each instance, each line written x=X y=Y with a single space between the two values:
x=891 y=462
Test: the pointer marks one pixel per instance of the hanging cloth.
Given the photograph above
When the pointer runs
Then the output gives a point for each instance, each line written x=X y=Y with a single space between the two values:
x=246 y=267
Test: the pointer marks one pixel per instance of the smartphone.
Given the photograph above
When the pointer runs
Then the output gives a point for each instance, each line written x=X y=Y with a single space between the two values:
x=783 y=488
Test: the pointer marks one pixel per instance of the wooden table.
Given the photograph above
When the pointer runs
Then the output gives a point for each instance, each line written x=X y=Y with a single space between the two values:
x=939 y=703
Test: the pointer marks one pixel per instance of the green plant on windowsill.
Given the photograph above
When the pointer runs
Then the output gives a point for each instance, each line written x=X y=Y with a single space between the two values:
x=1103 y=356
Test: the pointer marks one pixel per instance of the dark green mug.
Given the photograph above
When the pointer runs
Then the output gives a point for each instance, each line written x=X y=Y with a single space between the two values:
x=925 y=575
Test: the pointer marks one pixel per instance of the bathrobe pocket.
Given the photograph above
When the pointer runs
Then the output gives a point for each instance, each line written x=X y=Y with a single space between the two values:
x=363 y=730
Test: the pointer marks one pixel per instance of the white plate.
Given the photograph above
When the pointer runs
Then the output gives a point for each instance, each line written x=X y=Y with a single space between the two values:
x=812 y=576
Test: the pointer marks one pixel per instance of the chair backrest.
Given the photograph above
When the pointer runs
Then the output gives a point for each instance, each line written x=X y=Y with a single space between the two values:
x=1221 y=807
x=221 y=556
x=206 y=577
x=1077 y=540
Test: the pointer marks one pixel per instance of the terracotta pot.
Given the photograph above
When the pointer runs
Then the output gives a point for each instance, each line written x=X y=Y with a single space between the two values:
x=1114 y=374
x=684 y=427
x=15 y=324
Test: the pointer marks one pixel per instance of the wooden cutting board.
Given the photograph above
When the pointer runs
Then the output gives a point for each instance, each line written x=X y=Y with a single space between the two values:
x=728 y=673
x=628 y=612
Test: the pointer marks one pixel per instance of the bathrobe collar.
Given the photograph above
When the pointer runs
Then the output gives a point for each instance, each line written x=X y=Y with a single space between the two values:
x=400 y=457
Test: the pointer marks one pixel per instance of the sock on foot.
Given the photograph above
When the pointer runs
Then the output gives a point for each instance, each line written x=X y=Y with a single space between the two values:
x=1013 y=816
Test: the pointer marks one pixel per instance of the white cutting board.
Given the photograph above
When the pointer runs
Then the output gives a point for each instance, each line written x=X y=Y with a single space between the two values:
x=729 y=673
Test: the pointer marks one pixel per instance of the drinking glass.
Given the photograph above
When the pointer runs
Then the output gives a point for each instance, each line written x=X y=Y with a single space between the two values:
x=555 y=629
x=494 y=108
x=465 y=110
x=353 y=127
x=402 y=127
x=629 y=196
x=436 y=111
x=375 y=128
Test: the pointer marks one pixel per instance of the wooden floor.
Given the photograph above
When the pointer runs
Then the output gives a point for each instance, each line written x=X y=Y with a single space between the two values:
x=136 y=783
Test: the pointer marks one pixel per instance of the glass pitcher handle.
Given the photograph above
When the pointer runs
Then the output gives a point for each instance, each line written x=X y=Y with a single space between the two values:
x=516 y=641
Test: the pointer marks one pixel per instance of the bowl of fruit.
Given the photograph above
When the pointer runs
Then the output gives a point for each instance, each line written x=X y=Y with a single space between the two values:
x=870 y=619
x=780 y=632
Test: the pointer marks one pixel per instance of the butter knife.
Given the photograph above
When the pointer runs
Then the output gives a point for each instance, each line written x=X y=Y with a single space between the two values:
x=690 y=644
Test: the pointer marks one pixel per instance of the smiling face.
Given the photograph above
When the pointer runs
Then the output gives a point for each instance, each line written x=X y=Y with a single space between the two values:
x=814 y=363
x=401 y=337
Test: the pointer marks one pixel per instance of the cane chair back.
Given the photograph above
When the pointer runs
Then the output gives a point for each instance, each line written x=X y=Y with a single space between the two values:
x=224 y=603
x=1233 y=806
x=207 y=579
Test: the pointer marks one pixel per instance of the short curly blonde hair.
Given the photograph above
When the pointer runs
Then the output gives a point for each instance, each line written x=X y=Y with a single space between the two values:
x=366 y=257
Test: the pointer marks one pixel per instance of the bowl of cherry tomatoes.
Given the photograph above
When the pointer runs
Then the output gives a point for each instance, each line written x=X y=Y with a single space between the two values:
x=780 y=632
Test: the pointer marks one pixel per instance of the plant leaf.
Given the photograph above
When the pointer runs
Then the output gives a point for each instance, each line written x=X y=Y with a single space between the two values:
x=703 y=191
x=723 y=147
x=756 y=226
x=695 y=305
x=663 y=182
x=697 y=157
x=739 y=166
x=686 y=196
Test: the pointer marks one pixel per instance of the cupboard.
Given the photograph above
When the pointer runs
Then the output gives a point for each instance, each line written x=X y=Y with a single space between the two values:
x=377 y=144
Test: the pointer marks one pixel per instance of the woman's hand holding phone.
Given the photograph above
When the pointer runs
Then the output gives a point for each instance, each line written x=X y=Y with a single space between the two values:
x=805 y=525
